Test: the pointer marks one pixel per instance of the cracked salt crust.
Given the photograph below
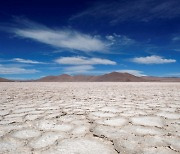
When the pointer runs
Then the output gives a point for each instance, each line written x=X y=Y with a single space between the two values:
x=110 y=109
x=50 y=125
x=4 y=112
x=169 y=115
x=26 y=134
x=113 y=121
x=142 y=130
x=147 y=121
x=125 y=147
x=47 y=139
x=89 y=118
x=159 y=150
x=81 y=146
x=80 y=130
x=103 y=115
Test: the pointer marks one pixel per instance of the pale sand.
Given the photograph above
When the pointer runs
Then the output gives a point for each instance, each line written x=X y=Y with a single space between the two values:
x=89 y=118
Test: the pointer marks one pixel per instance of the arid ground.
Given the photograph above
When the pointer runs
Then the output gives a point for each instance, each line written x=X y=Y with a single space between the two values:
x=89 y=118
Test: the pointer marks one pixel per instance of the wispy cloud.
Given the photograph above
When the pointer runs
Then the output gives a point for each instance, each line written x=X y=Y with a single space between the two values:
x=152 y=60
x=121 y=40
x=84 y=61
x=27 y=61
x=176 y=39
x=133 y=72
x=16 y=70
x=66 y=39
x=82 y=64
x=60 y=38
x=136 y=10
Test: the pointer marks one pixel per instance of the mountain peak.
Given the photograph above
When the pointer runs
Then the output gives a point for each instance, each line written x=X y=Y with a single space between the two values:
x=110 y=77
x=65 y=75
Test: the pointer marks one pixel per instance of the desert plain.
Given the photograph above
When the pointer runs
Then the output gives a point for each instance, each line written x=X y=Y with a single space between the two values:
x=89 y=118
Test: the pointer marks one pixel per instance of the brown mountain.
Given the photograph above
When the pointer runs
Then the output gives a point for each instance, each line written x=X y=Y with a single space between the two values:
x=111 y=77
x=161 y=79
x=118 y=77
x=5 y=80
x=82 y=78
x=60 y=78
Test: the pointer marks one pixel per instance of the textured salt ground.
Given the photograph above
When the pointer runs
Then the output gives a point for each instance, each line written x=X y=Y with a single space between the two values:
x=113 y=122
x=81 y=146
x=89 y=118
x=148 y=121
x=26 y=134
x=47 y=139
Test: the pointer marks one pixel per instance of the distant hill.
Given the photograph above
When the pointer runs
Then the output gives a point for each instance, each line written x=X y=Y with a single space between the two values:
x=110 y=77
x=65 y=78
x=118 y=77
x=60 y=78
x=5 y=80
x=161 y=79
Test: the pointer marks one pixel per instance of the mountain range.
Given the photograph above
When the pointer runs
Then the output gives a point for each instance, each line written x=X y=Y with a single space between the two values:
x=110 y=77
x=5 y=80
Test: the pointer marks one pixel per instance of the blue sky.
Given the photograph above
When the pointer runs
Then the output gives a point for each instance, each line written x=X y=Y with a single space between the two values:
x=40 y=38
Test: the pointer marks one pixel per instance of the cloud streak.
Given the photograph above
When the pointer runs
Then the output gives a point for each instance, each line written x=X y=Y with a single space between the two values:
x=27 y=61
x=152 y=60
x=60 y=38
x=82 y=64
x=121 y=40
x=78 y=69
x=16 y=70
x=84 y=61
x=135 y=10
x=176 y=39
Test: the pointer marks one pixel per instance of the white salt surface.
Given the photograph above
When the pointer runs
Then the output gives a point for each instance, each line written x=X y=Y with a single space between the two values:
x=81 y=146
x=89 y=118
x=113 y=122
x=148 y=121
x=26 y=133
x=47 y=139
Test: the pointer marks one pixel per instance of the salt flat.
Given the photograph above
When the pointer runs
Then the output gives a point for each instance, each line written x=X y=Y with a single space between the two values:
x=89 y=118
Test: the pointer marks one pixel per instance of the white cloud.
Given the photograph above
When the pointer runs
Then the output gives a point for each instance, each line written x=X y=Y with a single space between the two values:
x=120 y=39
x=78 y=69
x=120 y=11
x=82 y=64
x=62 y=38
x=20 y=60
x=152 y=60
x=110 y=37
x=133 y=72
x=176 y=38
x=84 y=61
x=123 y=40
x=16 y=70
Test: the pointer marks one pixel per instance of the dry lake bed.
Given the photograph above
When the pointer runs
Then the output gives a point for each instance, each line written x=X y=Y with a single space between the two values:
x=89 y=118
